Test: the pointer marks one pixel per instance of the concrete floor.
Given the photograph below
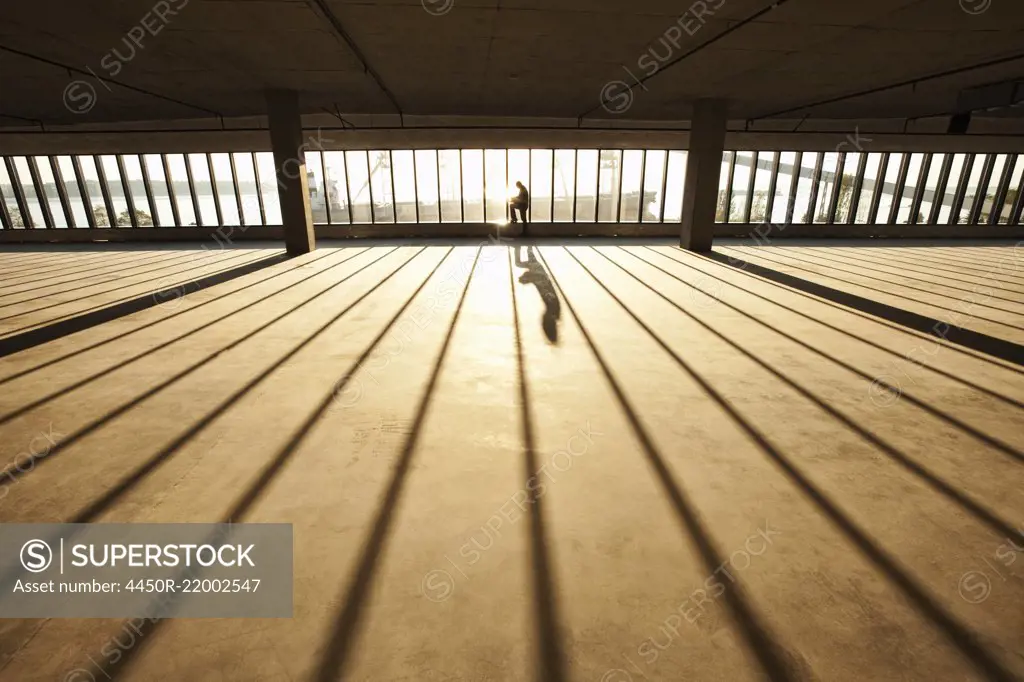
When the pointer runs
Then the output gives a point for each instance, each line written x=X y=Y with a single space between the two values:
x=764 y=483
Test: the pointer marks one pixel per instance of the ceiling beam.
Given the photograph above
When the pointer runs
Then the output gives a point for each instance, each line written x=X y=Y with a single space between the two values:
x=83 y=72
x=893 y=86
x=686 y=55
x=339 y=29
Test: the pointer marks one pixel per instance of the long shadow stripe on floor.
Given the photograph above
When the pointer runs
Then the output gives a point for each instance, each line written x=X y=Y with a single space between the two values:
x=990 y=345
x=545 y=593
x=346 y=624
x=148 y=325
x=757 y=635
x=28 y=407
x=960 y=636
x=948 y=375
x=239 y=510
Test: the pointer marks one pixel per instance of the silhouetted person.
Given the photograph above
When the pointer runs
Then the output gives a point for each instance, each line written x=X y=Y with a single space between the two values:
x=536 y=275
x=521 y=202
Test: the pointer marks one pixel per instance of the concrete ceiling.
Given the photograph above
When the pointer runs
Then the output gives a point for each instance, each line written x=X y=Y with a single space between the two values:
x=523 y=58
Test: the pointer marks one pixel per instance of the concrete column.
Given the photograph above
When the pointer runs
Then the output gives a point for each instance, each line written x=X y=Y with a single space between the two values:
x=703 y=168
x=290 y=166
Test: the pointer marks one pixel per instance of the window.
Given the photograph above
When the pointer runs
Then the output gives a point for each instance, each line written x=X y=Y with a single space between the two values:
x=69 y=178
x=869 y=188
x=804 y=187
x=949 y=194
x=541 y=176
x=632 y=172
x=724 y=180
x=674 y=181
x=163 y=210
x=888 y=187
x=405 y=186
x=248 y=190
x=452 y=195
x=24 y=177
x=357 y=166
x=654 y=178
x=846 y=186
x=783 y=187
x=931 y=184
x=971 y=191
x=826 y=187
x=741 y=175
x=762 y=185
x=427 y=185
x=474 y=185
x=586 y=185
x=48 y=190
x=137 y=189
x=565 y=184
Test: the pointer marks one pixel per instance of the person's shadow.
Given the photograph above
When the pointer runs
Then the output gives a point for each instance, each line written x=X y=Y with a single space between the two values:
x=536 y=274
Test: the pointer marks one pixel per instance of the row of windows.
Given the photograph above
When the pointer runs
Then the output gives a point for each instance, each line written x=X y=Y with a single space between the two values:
x=895 y=188
x=473 y=185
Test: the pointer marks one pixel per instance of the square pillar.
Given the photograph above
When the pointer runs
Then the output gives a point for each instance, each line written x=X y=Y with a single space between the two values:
x=290 y=168
x=703 y=169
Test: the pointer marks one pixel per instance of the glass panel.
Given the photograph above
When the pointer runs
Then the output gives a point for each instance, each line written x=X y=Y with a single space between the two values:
x=426 y=185
x=336 y=186
x=949 y=193
x=405 y=185
x=317 y=188
x=654 y=174
x=450 y=162
x=224 y=185
x=204 y=189
x=67 y=171
x=540 y=184
x=49 y=190
x=867 y=188
x=158 y=184
x=117 y=195
x=972 y=189
x=762 y=183
x=519 y=171
x=91 y=178
x=740 y=179
x=723 y=187
x=609 y=164
x=846 y=184
x=586 y=185
x=7 y=188
x=133 y=171
x=473 y=184
x=245 y=176
x=802 y=213
x=632 y=168
x=266 y=175
x=1012 y=191
x=359 y=186
x=826 y=185
x=31 y=200
x=383 y=192
x=182 y=193
x=783 y=184
x=989 y=194
x=931 y=183
x=565 y=174
x=909 y=189
x=888 y=187
x=497 y=185
x=674 y=186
